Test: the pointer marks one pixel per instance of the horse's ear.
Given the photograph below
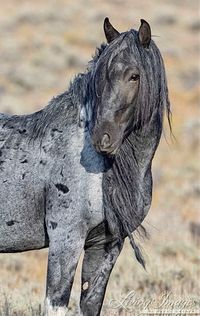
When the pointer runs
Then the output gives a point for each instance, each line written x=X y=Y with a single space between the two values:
x=110 y=32
x=144 y=33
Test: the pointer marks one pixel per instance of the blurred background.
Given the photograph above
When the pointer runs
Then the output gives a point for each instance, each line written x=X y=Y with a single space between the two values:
x=43 y=44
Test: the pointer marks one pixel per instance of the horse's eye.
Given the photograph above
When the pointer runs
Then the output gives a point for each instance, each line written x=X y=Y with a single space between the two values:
x=134 y=78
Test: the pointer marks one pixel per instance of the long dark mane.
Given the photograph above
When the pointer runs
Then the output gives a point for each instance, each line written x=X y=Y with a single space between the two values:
x=128 y=184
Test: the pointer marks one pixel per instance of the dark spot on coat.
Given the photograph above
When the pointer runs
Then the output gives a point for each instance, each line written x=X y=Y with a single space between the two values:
x=1 y=165
x=22 y=131
x=11 y=223
x=44 y=148
x=62 y=187
x=23 y=176
x=43 y=162
x=53 y=225
x=24 y=161
x=0 y=153
x=54 y=131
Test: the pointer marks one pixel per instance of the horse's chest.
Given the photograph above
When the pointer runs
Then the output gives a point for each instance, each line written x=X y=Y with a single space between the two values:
x=84 y=180
x=91 y=198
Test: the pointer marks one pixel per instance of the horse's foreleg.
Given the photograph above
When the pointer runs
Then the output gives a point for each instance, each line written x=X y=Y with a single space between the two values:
x=64 y=253
x=97 y=266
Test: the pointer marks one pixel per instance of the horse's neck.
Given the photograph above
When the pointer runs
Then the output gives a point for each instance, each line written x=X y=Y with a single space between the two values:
x=63 y=110
x=67 y=110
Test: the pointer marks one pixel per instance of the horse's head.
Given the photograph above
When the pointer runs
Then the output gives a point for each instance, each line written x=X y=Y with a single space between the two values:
x=118 y=78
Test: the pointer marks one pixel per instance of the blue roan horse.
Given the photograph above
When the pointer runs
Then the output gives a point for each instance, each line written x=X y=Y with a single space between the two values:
x=77 y=174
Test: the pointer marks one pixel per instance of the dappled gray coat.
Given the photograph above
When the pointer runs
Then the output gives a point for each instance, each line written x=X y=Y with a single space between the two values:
x=60 y=188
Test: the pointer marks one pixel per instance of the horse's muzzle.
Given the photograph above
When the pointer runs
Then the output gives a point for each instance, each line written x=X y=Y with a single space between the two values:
x=105 y=146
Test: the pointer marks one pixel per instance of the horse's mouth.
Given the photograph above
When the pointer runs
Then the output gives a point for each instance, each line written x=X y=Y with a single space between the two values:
x=110 y=152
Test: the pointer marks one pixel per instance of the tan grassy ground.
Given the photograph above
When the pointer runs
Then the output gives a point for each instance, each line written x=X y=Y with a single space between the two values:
x=42 y=46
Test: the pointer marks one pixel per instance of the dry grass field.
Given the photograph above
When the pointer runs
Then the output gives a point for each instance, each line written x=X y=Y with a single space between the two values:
x=43 y=44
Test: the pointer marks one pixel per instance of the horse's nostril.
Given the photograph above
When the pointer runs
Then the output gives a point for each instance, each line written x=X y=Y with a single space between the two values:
x=105 y=142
